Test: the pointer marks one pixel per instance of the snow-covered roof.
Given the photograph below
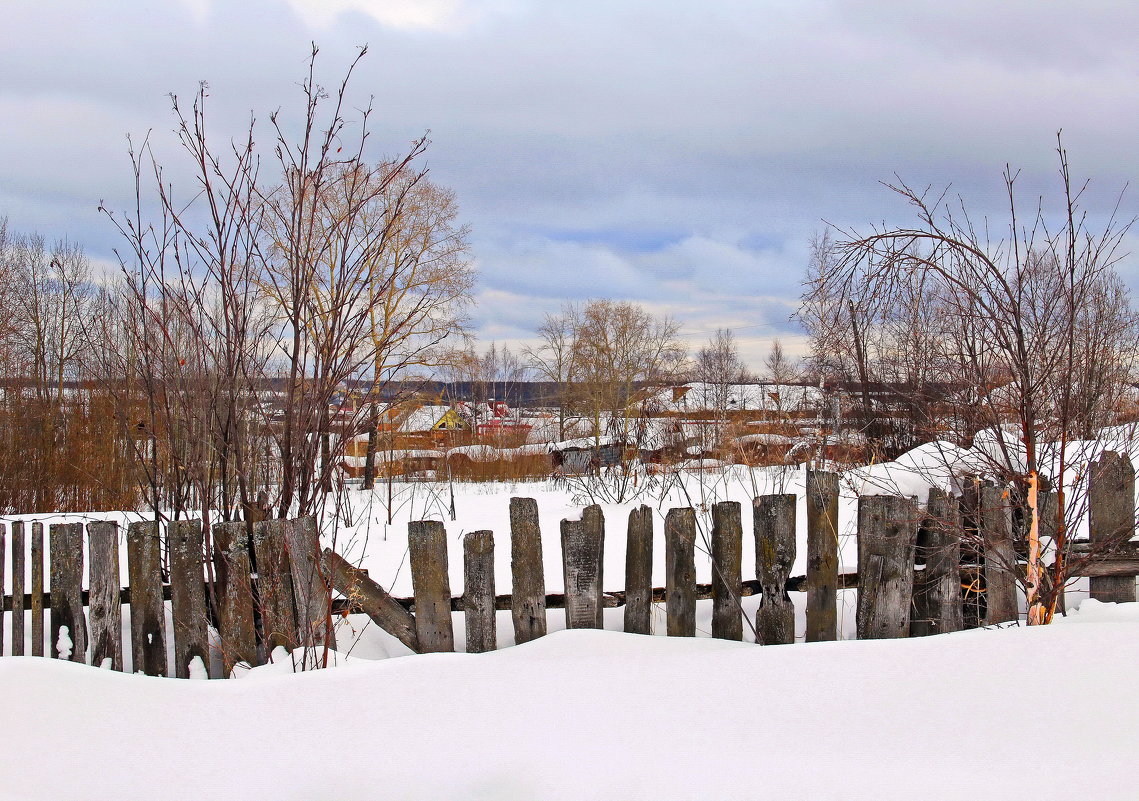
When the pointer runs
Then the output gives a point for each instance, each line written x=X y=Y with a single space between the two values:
x=544 y=429
x=424 y=418
x=700 y=396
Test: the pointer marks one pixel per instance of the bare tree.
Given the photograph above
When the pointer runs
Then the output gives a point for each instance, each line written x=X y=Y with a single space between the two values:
x=1012 y=316
x=718 y=366
x=555 y=359
x=262 y=309
x=778 y=367
x=58 y=443
x=620 y=345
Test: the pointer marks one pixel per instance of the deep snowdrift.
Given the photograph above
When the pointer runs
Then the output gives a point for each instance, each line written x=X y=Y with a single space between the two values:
x=1047 y=713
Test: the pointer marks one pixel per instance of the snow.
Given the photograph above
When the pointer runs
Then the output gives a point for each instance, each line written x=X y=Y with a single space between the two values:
x=697 y=396
x=367 y=537
x=545 y=429
x=424 y=418
x=934 y=464
x=476 y=453
x=63 y=644
x=583 y=443
x=603 y=715
x=197 y=669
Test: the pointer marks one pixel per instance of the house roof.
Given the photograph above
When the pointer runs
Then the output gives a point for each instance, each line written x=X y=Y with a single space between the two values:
x=429 y=417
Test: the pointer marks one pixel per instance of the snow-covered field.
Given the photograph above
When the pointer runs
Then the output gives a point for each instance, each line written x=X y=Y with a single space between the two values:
x=1050 y=712
x=1045 y=713
x=360 y=530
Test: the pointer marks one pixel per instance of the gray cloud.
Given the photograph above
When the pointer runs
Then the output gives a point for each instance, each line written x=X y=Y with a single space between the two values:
x=659 y=151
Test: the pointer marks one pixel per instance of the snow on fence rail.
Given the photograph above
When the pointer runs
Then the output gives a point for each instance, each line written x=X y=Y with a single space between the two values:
x=918 y=574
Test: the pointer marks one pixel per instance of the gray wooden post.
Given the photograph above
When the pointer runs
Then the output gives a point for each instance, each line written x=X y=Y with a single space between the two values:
x=887 y=531
x=680 y=573
x=593 y=521
x=274 y=583
x=66 y=546
x=1111 y=508
x=580 y=571
x=773 y=520
x=148 y=616
x=727 y=569
x=19 y=565
x=639 y=571
x=937 y=589
x=822 y=556
x=995 y=516
x=234 y=593
x=187 y=595
x=37 y=600
x=427 y=542
x=311 y=585
x=105 y=603
x=478 y=591
x=528 y=593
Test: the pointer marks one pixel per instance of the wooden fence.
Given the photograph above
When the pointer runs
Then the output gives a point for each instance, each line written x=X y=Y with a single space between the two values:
x=952 y=564
x=285 y=602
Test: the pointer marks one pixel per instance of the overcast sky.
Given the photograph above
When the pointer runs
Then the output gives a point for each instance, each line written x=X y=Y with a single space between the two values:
x=677 y=154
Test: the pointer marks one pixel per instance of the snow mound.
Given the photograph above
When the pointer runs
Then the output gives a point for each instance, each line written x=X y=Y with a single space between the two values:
x=602 y=715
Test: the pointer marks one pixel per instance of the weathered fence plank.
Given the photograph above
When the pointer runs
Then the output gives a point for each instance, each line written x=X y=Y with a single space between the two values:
x=105 y=606
x=274 y=585
x=937 y=589
x=311 y=587
x=727 y=570
x=66 y=554
x=148 y=616
x=593 y=520
x=1111 y=506
x=773 y=520
x=234 y=594
x=887 y=532
x=37 y=600
x=822 y=556
x=373 y=600
x=527 y=572
x=187 y=595
x=639 y=571
x=427 y=542
x=581 y=574
x=995 y=515
x=478 y=591
x=19 y=565
x=680 y=572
